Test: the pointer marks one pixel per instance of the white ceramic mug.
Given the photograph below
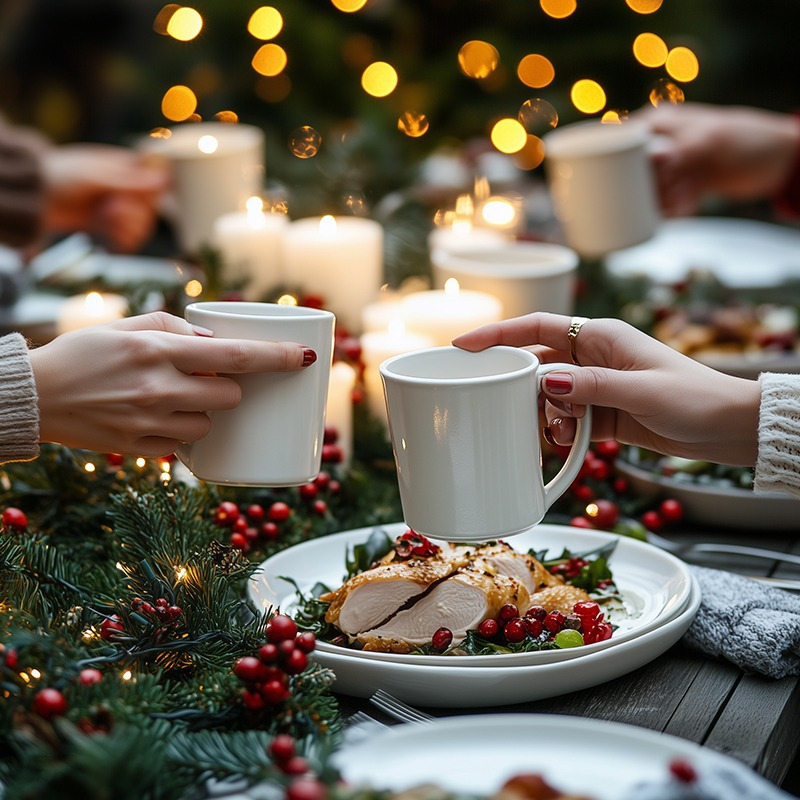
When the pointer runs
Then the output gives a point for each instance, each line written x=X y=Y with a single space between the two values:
x=275 y=436
x=465 y=435
x=602 y=185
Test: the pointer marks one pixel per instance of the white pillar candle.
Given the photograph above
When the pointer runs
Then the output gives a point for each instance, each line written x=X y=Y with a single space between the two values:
x=457 y=238
x=93 y=308
x=376 y=347
x=446 y=313
x=378 y=316
x=250 y=246
x=339 y=408
x=338 y=258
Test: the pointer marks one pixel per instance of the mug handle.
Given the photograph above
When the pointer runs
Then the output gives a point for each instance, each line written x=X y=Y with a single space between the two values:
x=580 y=445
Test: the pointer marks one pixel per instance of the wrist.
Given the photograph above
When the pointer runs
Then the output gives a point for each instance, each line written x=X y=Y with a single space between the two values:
x=786 y=199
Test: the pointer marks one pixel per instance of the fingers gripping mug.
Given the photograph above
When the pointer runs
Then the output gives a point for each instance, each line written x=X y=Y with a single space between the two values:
x=465 y=435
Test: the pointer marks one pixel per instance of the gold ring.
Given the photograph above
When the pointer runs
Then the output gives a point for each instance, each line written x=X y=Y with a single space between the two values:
x=575 y=325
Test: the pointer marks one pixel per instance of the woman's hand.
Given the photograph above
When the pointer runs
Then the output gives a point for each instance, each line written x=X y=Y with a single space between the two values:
x=143 y=385
x=642 y=391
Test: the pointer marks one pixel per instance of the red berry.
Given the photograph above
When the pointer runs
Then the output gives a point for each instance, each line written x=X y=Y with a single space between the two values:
x=306 y=789
x=683 y=770
x=250 y=533
x=671 y=510
x=281 y=627
x=110 y=627
x=248 y=669
x=620 y=485
x=278 y=512
x=239 y=525
x=599 y=633
x=255 y=512
x=320 y=507
x=239 y=541
x=49 y=703
x=652 y=520
x=508 y=612
x=114 y=459
x=554 y=621
x=583 y=492
x=253 y=700
x=306 y=641
x=270 y=531
x=268 y=653
x=322 y=480
x=227 y=513
x=442 y=639
x=282 y=747
x=580 y=522
x=532 y=626
x=273 y=692
x=334 y=487
x=295 y=663
x=14 y=519
x=603 y=513
x=332 y=454
x=608 y=450
x=514 y=630
x=601 y=471
x=351 y=347
x=331 y=435
x=488 y=628
x=89 y=676
x=308 y=491
x=586 y=609
x=296 y=765
x=536 y=612
x=11 y=658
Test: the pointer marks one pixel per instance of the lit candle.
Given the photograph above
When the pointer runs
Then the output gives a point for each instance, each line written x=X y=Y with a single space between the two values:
x=93 y=308
x=338 y=258
x=250 y=245
x=446 y=313
x=339 y=408
x=377 y=316
x=456 y=229
x=376 y=347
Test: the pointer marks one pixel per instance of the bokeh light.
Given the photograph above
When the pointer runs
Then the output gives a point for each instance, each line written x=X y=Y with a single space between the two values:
x=614 y=116
x=185 y=24
x=226 y=116
x=349 y=6
x=682 y=64
x=644 y=6
x=178 y=103
x=665 y=91
x=537 y=115
x=508 y=135
x=208 y=144
x=413 y=124
x=650 y=50
x=304 y=142
x=535 y=71
x=558 y=9
x=193 y=288
x=270 y=60
x=478 y=59
x=588 y=96
x=265 y=23
x=379 y=79
x=163 y=17
x=531 y=155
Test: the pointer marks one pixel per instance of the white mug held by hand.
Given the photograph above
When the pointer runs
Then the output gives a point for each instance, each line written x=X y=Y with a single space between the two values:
x=275 y=436
x=465 y=434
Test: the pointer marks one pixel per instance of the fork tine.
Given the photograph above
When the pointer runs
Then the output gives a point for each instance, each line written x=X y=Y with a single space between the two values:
x=397 y=708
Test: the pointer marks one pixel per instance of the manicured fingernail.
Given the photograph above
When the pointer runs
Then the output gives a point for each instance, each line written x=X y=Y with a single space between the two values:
x=309 y=356
x=548 y=436
x=558 y=382
x=201 y=331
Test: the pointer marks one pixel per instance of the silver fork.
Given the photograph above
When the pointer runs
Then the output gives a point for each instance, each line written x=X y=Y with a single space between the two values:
x=397 y=709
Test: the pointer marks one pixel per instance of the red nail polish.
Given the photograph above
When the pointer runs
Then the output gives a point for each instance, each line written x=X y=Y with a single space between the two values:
x=558 y=382
x=309 y=356
x=548 y=436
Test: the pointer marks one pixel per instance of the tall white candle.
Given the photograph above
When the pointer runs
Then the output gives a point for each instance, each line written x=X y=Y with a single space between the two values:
x=338 y=258
x=443 y=314
x=93 y=308
x=339 y=408
x=250 y=246
x=376 y=347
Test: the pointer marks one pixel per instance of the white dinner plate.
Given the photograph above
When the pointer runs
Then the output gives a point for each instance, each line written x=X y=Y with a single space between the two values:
x=476 y=754
x=741 y=253
x=722 y=506
x=655 y=586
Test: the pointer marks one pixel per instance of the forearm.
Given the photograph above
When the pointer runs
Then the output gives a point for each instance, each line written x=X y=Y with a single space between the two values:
x=778 y=465
x=19 y=409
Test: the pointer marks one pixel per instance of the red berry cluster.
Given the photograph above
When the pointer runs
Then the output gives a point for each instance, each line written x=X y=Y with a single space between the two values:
x=305 y=786
x=161 y=612
x=414 y=545
x=266 y=675
x=14 y=520
x=331 y=451
x=570 y=568
x=111 y=627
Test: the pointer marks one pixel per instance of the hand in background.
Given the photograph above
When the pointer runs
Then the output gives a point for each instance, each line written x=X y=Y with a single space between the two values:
x=642 y=391
x=142 y=385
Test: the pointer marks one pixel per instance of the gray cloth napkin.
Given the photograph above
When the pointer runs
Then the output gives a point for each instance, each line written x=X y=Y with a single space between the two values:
x=754 y=626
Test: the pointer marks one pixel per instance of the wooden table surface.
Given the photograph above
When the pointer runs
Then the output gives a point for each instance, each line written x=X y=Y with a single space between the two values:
x=711 y=702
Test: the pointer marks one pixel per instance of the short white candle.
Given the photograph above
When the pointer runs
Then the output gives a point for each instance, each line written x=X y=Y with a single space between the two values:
x=376 y=347
x=457 y=238
x=338 y=258
x=443 y=314
x=378 y=316
x=250 y=246
x=93 y=308
x=339 y=408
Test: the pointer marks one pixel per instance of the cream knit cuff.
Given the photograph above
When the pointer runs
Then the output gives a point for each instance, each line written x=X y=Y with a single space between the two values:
x=778 y=465
x=19 y=402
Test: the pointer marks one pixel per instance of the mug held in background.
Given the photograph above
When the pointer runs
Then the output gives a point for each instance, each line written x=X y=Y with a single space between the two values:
x=465 y=435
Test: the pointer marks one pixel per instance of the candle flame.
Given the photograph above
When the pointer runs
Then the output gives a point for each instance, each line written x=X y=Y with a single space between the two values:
x=254 y=205
x=397 y=327
x=207 y=144
x=287 y=300
x=94 y=303
x=451 y=287
x=465 y=212
x=327 y=225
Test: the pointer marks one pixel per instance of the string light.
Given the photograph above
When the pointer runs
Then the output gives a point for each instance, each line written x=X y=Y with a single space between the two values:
x=180 y=573
x=127 y=675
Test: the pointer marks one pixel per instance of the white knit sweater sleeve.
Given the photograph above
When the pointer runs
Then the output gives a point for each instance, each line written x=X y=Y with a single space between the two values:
x=19 y=402
x=778 y=465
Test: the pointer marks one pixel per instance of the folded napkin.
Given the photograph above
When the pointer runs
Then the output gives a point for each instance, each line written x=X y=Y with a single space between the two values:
x=756 y=627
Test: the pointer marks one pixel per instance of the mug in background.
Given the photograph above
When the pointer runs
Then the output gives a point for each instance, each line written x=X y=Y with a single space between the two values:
x=602 y=184
x=275 y=436
x=465 y=436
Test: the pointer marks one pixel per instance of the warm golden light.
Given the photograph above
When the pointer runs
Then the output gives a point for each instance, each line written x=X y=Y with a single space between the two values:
x=160 y=133
x=558 y=9
x=180 y=573
x=265 y=23
x=614 y=117
x=230 y=117
x=379 y=79
x=193 y=288
x=588 y=96
x=478 y=59
x=208 y=144
x=178 y=103
x=537 y=115
x=163 y=17
x=270 y=60
x=127 y=675
x=413 y=124
x=89 y=467
x=327 y=226
x=592 y=510
x=535 y=71
x=140 y=462
x=35 y=674
x=349 y=6
x=185 y=24
x=508 y=135
x=644 y=6
x=499 y=212
x=304 y=142
x=531 y=155
x=665 y=91
x=451 y=287
x=650 y=50
x=682 y=64
x=287 y=300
